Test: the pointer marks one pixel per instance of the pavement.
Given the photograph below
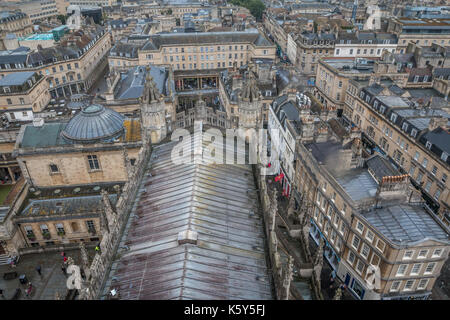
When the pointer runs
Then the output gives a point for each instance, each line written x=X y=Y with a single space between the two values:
x=45 y=287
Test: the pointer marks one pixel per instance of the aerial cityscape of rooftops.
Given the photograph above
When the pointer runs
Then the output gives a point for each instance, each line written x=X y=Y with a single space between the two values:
x=224 y=149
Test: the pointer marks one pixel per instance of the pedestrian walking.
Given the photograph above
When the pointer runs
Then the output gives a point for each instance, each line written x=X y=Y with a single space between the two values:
x=29 y=289
x=38 y=269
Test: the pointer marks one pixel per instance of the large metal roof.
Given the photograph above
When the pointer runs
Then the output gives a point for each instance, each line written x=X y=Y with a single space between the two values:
x=218 y=203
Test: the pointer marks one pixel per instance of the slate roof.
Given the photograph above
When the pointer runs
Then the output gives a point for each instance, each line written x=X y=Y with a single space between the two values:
x=16 y=78
x=66 y=206
x=381 y=167
x=251 y=36
x=131 y=85
x=440 y=138
x=407 y=223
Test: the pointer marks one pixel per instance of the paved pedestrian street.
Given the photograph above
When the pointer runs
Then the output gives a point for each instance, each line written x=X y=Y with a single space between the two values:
x=46 y=286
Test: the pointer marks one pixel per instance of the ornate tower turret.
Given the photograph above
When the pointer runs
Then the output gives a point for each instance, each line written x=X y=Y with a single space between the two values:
x=250 y=107
x=153 y=110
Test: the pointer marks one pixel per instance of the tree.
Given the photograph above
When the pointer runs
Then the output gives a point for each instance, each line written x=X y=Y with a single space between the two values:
x=256 y=7
x=62 y=18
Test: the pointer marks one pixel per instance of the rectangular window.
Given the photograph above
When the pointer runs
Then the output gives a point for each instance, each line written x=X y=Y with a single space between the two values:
x=424 y=162
x=430 y=268
x=416 y=269
x=380 y=245
x=355 y=242
x=437 y=253
x=422 y=254
x=409 y=285
x=401 y=270
x=60 y=228
x=351 y=257
x=90 y=226
x=408 y=255
x=422 y=284
x=54 y=168
x=370 y=236
x=359 y=227
x=395 y=286
x=360 y=267
x=365 y=250
x=93 y=162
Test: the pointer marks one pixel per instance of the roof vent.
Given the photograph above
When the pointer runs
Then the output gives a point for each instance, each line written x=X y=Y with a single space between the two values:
x=38 y=122
x=187 y=236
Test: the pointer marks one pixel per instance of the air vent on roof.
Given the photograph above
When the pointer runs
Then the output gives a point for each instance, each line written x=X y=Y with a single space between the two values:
x=187 y=236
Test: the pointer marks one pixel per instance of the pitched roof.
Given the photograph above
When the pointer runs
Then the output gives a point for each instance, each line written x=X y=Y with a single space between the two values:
x=215 y=202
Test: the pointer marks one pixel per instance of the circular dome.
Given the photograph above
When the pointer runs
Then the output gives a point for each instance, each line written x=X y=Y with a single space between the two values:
x=94 y=123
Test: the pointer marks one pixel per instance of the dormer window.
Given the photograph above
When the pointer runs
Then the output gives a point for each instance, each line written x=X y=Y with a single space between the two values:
x=375 y=104
x=393 y=117
x=428 y=145
x=444 y=156
x=367 y=98
x=55 y=59
x=7 y=89
x=382 y=109
x=405 y=127
x=413 y=133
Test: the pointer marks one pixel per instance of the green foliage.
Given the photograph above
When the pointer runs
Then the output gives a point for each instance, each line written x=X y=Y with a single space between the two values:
x=62 y=18
x=256 y=7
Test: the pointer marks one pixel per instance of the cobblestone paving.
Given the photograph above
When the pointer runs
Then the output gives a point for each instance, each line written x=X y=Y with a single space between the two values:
x=44 y=287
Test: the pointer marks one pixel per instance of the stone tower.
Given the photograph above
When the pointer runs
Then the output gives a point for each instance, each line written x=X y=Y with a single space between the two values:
x=250 y=106
x=200 y=109
x=153 y=114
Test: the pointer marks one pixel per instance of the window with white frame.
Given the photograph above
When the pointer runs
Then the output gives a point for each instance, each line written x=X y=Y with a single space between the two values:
x=422 y=284
x=360 y=267
x=380 y=245
x=365 y=250
x=375 y=261
x=370 y=236
x=430 y=268
x=351 y=257
x=408 y=254
x=342 y=227
x=409 y=285
x=437 y=253
x=415 y=269
x=395 y=286
x=359 y=227
x=316 y=213
x=401 y=270
x=422 y=254
x=355 y=242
